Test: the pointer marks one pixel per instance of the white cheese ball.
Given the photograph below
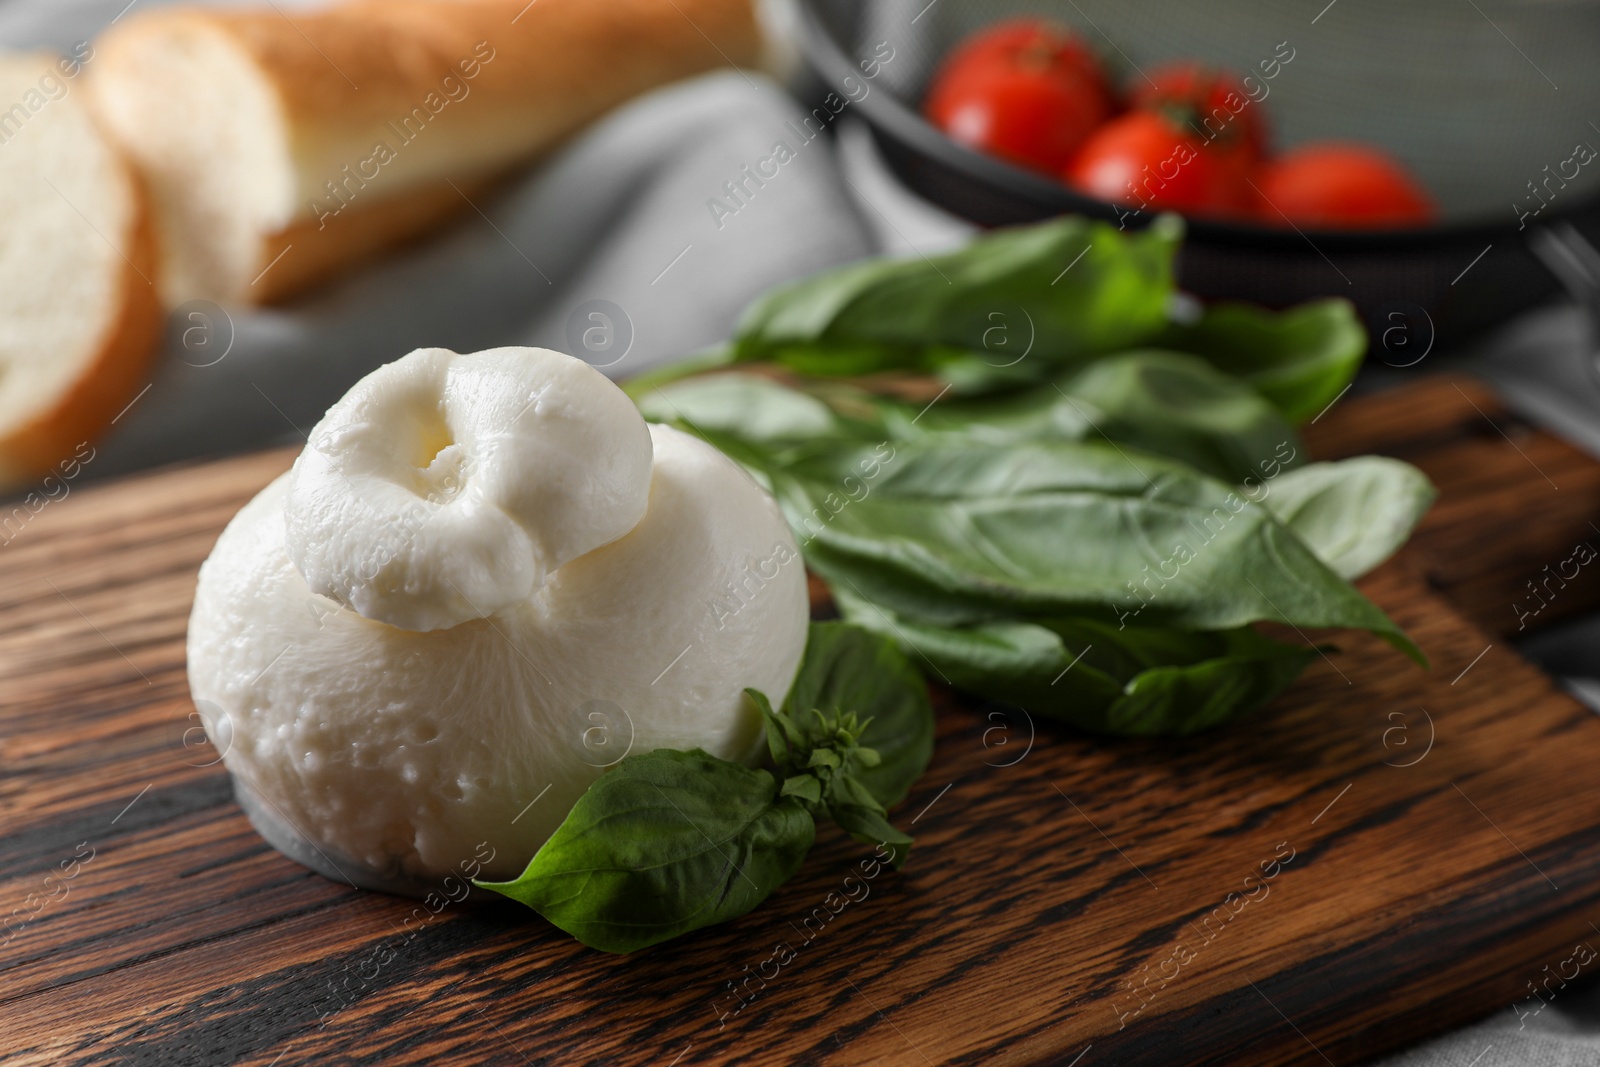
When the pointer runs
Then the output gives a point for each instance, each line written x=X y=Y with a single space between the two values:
x=389 y=730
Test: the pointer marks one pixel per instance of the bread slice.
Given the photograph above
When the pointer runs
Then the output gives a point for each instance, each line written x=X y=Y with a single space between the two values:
x=79 y=312
x=251 y=123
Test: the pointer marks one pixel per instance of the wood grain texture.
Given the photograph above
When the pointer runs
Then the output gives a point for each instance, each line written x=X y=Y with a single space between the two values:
x=1518 y=504
x=1058 y=879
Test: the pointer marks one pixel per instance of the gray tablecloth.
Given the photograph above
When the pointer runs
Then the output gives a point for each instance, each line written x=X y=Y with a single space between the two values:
x=620 y=216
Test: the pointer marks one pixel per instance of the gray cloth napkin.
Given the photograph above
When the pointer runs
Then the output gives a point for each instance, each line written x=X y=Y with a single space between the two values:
x=1563 y=1031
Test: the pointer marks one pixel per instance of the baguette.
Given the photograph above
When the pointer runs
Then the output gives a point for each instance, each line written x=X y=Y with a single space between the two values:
x=308 y=252
x=251 y=124
x=79 y=314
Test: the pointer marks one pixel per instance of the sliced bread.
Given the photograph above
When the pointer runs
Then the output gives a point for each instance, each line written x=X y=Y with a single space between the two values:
x=79 y=312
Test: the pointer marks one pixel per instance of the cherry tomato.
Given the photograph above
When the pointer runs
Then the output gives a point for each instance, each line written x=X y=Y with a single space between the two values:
x=1211 y=102
x=1145 y=160
x=1005 y=40
x=1342 y=186
x=1025 y=90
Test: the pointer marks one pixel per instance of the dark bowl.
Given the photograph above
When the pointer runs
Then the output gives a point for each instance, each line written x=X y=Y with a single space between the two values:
x=1441 y=283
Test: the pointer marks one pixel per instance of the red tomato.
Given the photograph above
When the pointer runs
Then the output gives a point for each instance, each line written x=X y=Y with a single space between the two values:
x=1145 y=160
x=1005 y=40
x=1340 y=187
x=1211 y=102
x=1025 y=90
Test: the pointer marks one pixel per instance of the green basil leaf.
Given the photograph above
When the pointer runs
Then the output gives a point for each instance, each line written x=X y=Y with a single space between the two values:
x=1059 y=529
x=1300 y=359
x=974 y=374
x=853 y=807
x=1354 y=513
x=847 y=669
x=1170 y=403
x=664 y=843
x=1179 y=682
x=757 y=410
x=1041 y=413
x=785 y=741
x=823 y=757
x=853 y=686
x=804 y=786
x=868 y=825
x=1056 y=291
x=1138 y=681
x=846 y=790
x=1186 y=698
x=1180 y=406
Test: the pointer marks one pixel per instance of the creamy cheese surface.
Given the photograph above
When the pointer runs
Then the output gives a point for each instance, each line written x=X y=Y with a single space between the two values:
x=485 y=580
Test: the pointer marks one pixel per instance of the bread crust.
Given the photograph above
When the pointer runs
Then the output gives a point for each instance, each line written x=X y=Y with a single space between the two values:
x=453 y=90
x=368 y=59
x=312 y=252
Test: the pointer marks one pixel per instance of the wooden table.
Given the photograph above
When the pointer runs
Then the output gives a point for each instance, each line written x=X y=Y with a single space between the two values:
x=1061 y=906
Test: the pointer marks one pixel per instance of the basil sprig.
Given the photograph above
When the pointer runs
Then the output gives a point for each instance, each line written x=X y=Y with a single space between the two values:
x=1109 y=589
x=849 y=671
x=1092 y=530
x=668 y=842
x=960 y=532
x=665 y=843
x=980 y=308
x=822 y=759
x=1170 y=403
x=1020 y=305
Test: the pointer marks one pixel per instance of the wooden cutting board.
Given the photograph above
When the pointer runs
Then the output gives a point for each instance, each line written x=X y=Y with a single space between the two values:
x=1432 y=839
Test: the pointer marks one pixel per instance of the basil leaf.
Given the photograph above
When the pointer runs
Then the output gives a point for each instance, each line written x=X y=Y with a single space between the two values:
x=1008 y=294
x=1041 y=413
x=1170 y=403
x=998 y=313
x=1354 y=513
x=1186 y=698
x=664 y=843
x=867 y=824
x=757 y=410
x=786 y=742
x=1300 y=359
x=1138 y=681
x=953 y=533
x=1180 y=406
x=973 y=374
x=822 y=752
x=804 y=786
x=847 y=669
x=852 y=805
x=824 y=757
x=1174 y=681
x=855 y=733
